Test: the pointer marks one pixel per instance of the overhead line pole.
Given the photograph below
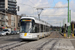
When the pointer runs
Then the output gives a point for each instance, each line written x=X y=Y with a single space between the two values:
x=40 y=12
x=39 y=17
x=68 y=21
x=68 y=11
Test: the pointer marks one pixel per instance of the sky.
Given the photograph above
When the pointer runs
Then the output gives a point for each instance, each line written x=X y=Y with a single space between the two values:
x=54 y=16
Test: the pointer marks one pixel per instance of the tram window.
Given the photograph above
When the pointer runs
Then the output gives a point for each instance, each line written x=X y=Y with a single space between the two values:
x=25 y=26
x=33 y=27
x=41 y=28
x=47 y=28
x=44 y=28
x=37 y=28
x=33 y=23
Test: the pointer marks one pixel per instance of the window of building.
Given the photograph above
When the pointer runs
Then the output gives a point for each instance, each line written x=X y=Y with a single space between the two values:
x=3 y=16
x=12 y=18
x=12 y=24
x=3 y=23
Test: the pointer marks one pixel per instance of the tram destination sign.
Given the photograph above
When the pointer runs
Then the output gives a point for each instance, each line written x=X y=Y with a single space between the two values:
x=26 y=20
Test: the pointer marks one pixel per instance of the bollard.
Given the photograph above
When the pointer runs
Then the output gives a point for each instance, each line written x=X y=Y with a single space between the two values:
x=72 y=35
x=64 y=34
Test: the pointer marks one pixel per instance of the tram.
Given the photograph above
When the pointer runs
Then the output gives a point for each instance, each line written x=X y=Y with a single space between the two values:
x=32 y=28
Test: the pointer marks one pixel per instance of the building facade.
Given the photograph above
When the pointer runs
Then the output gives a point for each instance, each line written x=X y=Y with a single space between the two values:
x=8 y=6
x=8 y=15
x=9 y=21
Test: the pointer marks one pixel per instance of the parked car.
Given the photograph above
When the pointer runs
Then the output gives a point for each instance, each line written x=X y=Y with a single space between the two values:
x=2 y=33
x=17 y=32
x=12 y=32
x=5 y=32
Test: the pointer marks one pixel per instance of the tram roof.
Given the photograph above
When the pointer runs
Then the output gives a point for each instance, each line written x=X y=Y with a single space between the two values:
x=37 y=20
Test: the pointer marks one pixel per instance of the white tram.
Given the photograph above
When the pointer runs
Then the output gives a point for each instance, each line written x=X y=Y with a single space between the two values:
x=32 y=28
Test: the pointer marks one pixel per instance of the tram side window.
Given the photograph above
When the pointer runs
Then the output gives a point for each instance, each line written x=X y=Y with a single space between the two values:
x=36 y=28
x=33 y=27
x=41 y=28
x=47 y=29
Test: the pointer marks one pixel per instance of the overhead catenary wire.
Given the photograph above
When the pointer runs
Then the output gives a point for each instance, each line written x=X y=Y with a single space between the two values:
x=31 y=2
x=54 y=15
x=51 y=7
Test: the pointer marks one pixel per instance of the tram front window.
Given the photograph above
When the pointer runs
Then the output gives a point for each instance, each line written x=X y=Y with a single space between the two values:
x=25 y=27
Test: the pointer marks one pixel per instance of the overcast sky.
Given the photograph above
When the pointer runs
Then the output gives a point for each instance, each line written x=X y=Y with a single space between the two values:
x=51 y=15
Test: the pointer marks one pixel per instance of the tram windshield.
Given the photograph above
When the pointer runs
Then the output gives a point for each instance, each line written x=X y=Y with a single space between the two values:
x=25 y=26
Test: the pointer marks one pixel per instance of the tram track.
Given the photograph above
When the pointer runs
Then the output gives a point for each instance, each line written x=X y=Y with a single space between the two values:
x=13 y=45
x=9 y=39
x=47 y=42
x=16 y=45
x=50 y=41
x=8 y=36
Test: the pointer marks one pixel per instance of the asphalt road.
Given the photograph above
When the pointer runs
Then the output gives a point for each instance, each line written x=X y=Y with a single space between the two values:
x=55 y=34
x=15 y=38
x=55 y=41
x=9 y=38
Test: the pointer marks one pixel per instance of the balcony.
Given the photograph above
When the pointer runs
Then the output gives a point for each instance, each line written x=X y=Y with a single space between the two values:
x=12 y=10
x=12 y=7
x=2 y=3
x=6 y=17
x=2 y=25
x=0 y=19
x=2 y=6
x=3 y=20
x=2 y=9
x=7 y=24
x=12 y=4
x=2 y=0
x=14 y=1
